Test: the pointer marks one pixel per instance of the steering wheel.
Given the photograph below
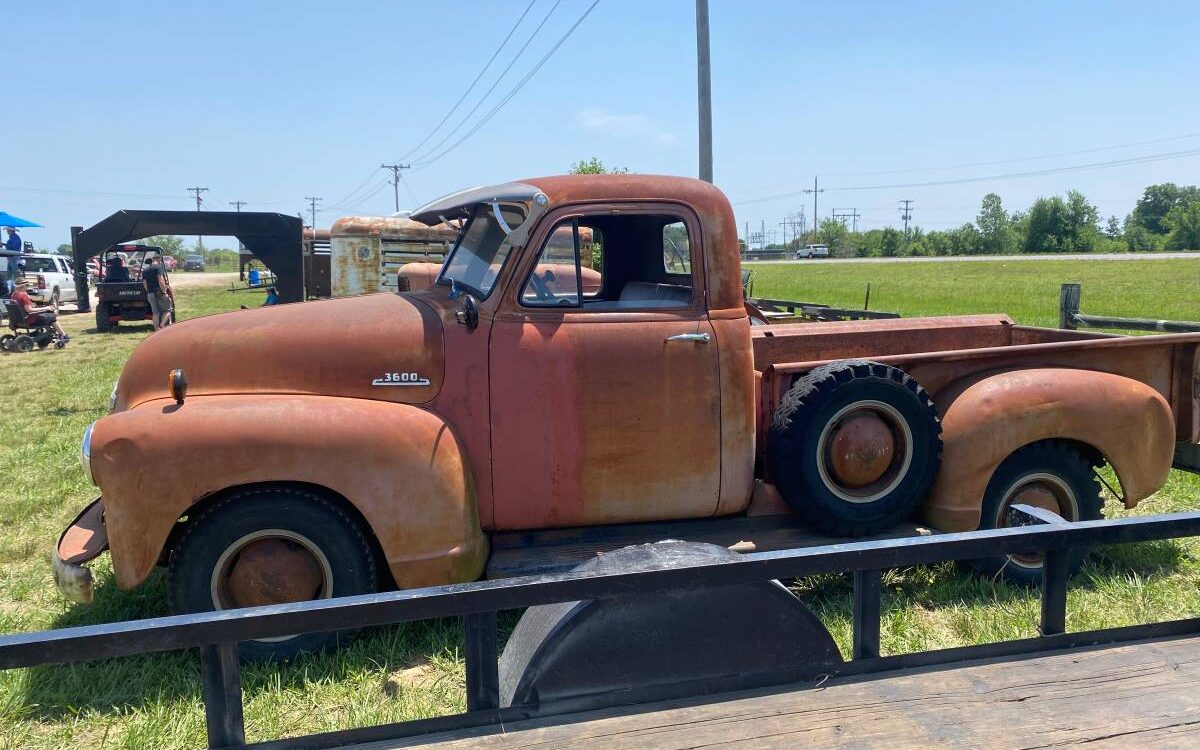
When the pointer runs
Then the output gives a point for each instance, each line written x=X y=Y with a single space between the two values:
x=539 y=285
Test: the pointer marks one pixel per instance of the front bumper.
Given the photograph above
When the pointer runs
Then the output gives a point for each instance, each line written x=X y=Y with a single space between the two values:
x=84 y=540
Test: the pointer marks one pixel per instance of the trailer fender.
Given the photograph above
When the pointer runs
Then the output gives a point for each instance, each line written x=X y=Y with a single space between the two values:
x=986 y=418
x=400 y=467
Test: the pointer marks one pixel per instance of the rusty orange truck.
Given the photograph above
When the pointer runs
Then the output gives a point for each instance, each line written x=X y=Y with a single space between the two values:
x=393 y=440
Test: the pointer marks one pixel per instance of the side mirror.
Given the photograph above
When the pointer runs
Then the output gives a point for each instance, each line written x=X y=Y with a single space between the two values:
x=469 y=314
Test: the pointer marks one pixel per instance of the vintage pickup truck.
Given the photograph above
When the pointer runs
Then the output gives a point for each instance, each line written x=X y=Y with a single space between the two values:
x=338 y=447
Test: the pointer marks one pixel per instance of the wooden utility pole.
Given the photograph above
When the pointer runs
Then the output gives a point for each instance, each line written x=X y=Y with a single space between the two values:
x=704 y=90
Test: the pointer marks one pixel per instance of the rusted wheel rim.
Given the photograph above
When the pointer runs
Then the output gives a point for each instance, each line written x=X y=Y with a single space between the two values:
x=1041 y=490
x=864 y=451
x=271 y=566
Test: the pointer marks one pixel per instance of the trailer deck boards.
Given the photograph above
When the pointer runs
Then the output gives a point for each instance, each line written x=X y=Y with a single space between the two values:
x=517 y=553
x=1143 y=695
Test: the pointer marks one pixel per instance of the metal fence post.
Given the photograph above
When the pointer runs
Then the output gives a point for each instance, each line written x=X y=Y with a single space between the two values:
x=1054 y=592
x=867 y=594
x=222 y=676
x=483 y=677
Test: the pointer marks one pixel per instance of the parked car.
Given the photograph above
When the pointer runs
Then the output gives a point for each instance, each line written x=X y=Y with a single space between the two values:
x=52 y=279
x=169 y=262
x=193 y=263
x=386 y=440
x=813 y=251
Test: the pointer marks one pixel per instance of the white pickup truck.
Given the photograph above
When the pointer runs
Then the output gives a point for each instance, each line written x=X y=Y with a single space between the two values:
x=51 y=278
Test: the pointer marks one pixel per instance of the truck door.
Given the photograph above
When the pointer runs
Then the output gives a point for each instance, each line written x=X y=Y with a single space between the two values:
x=605 y=387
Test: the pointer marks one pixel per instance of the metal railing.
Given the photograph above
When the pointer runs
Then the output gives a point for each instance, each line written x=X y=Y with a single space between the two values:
x=217 y=634
x=1070 y=318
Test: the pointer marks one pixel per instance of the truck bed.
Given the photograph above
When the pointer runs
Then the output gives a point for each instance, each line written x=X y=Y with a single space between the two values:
x=939 y=351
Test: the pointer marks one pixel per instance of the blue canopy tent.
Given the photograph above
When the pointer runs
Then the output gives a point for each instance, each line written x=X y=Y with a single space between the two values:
x=8 y=220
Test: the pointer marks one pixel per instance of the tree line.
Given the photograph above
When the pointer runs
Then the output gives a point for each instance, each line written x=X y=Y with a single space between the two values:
x=1166 y=217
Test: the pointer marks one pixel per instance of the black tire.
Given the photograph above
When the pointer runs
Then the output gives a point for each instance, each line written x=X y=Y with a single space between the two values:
x=1049 y=467
x=22 y=343
x=810 y=421
x=211 y=545
x=6 y=341
x=102 y=323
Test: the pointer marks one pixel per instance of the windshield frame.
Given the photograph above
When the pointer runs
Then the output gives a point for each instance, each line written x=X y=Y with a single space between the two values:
x=490 y=211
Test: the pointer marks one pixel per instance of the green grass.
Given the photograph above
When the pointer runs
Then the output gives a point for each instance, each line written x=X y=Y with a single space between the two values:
x=1027 y=290
x=399 y=673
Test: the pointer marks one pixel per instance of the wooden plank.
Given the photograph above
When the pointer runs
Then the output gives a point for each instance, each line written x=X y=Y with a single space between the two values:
x=1134 y=696
x=556 y=551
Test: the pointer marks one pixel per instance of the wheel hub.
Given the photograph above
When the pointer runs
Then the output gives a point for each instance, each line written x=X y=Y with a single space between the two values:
x=861 y=449
x=273 y=571
x=1041 y=490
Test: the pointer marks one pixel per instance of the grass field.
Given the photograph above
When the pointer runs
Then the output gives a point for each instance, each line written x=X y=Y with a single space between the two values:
x=407 y=672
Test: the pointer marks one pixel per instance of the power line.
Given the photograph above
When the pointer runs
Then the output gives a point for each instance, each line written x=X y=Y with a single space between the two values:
x=359 y=201
x=396 y=178
x=483 y=70
x=516 y=89
x=491 y=88
x=411 y=193
x=816 y=215
x=1146 y=159
x=237 y=205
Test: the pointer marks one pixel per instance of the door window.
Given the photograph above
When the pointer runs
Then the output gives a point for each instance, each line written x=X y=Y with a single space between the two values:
x=613 y=261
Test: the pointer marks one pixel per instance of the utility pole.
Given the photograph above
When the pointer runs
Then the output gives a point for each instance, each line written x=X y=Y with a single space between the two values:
x=906 y=214
x=199 y=200
x=849 y=217
x=704 y=90
x=237 y=205
x=814 y=192
x=396 y=179
x=312 y=205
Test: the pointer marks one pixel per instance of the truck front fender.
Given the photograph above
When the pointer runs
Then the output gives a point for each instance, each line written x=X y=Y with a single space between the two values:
x=986 y=418
x=399 y=466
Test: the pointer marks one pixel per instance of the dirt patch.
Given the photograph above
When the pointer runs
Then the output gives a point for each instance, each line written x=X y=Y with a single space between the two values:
x=414 y=677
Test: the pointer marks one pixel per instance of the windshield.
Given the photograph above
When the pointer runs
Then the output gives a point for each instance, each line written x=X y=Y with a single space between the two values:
x=477 y=258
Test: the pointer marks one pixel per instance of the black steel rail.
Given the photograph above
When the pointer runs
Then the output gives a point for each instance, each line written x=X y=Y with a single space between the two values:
x=217 y=634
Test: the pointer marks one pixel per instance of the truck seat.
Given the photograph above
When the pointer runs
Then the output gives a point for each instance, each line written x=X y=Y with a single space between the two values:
x=649 y=294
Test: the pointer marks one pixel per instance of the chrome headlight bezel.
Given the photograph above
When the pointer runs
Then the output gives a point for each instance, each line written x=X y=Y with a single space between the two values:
x=85 y=453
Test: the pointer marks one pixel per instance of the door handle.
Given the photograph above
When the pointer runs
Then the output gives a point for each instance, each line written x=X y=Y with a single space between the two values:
x=699 y=338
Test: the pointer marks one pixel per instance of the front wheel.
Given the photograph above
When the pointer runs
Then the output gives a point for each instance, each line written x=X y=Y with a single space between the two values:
x=271 y=546
x=1047 y=475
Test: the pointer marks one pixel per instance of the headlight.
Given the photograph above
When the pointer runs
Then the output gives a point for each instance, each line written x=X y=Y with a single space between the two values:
x=85 y=453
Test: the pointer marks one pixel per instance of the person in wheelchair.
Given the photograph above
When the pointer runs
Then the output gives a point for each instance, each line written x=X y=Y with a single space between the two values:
x=36 y=316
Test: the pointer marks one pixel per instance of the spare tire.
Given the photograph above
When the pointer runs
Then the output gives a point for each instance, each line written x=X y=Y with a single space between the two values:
x=854 y=447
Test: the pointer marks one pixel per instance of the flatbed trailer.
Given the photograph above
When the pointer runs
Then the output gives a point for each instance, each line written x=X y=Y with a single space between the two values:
x=1138 y=695
x=1129 y=686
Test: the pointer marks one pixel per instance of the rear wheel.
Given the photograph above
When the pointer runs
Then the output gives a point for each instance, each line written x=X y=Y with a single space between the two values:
x=102 y=323
x=854 y=447
x=1047 y=475
x=271 y=546
x=22 y=343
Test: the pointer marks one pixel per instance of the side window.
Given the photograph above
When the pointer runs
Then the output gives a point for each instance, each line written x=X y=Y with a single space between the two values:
x=677 y=252
x=555 y=280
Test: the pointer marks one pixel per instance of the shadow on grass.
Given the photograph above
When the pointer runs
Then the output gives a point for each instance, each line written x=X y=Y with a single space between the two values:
x=114 y=686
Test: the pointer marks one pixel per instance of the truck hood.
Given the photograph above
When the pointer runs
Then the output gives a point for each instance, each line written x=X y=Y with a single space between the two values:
x=386 y=347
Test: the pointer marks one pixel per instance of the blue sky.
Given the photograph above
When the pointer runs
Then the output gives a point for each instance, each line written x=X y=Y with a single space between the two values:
x=126 y=104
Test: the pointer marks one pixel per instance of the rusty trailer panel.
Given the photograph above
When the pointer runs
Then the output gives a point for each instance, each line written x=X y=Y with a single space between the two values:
x=367 y=252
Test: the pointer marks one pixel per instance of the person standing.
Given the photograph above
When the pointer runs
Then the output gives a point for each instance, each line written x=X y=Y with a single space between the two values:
x=158 y=291
x=13 y=244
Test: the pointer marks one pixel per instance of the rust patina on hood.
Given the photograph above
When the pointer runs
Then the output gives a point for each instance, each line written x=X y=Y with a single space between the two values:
x=386 y=347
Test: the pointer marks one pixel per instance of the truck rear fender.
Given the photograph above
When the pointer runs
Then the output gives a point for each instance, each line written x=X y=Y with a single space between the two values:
x=400 y=467
x=985 y=418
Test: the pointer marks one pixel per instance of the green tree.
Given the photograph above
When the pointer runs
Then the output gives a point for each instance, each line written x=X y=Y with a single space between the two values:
x=1083 y=222
x=595 y=166
x=170 y=243
x=1184 y=223
x=1157 y=201
x=1112 y=228
x=63 y=249
x=965 y=240
x=891 y=242
x=1057 y=225
x=995 y=226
